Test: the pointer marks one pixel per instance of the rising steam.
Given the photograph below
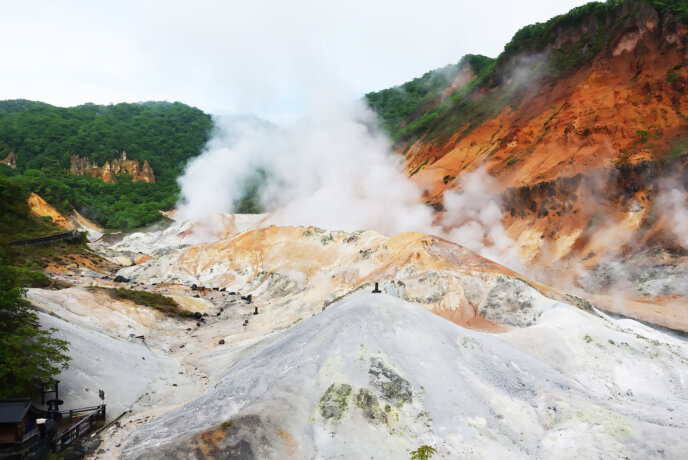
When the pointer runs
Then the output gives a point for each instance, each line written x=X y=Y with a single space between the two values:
x=336 y=171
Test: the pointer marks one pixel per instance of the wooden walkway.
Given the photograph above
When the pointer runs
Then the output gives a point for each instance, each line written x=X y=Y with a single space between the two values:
x=73 y=235
x=81 y=428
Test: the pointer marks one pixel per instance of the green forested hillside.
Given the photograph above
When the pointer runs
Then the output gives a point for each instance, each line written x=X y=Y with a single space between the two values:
x=413 y=109
x=44 y=137
x=400 y=106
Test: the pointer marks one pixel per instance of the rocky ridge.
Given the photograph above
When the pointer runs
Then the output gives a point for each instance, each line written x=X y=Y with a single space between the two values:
x=10 y=160
x=82 y=166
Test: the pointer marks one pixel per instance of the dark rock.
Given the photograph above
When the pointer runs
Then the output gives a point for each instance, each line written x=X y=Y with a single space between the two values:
x=335 y=401
x=194 y=287
x=394 y=387
x=222 y=341
x=121 y=279
x=369 y=404
x=197 y=315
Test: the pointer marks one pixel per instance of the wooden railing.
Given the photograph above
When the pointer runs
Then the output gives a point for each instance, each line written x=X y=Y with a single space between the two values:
x=29 y=435
x=47 y=239
x=78 y=430
x=80 y=410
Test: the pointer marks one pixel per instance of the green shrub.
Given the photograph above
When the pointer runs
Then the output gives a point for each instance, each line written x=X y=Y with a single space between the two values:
x=423 y=453
x=644 y=135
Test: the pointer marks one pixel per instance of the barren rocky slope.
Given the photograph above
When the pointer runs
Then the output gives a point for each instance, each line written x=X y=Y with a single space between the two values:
x=325 y=361
x=581 y=122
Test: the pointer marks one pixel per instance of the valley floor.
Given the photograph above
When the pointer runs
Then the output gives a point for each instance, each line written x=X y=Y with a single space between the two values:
x=457 y=353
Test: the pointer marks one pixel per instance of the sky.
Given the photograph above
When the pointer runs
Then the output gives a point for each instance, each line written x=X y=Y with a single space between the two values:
x=274 y=59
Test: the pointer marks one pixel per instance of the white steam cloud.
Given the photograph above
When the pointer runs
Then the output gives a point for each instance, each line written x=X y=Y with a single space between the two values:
x=672 y=202
x=331 y=170
x=473 y=218
x=336 y=171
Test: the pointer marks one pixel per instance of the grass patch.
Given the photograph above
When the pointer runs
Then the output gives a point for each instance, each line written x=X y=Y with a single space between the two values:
x=595 y=219
x=636 y=77
x=677 y=149
x=672 y=74
x=154 y=300
x=644 y=135
x=419 y=167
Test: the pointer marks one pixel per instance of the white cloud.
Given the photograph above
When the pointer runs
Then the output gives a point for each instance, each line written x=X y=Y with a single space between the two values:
x=263 y=57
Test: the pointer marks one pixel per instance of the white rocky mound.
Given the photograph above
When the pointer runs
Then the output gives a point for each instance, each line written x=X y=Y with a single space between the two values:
x=376 y=377
x=340 y=372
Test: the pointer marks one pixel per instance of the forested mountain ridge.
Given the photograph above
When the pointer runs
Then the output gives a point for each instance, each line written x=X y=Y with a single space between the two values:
x=434 y=106
x=45 y=137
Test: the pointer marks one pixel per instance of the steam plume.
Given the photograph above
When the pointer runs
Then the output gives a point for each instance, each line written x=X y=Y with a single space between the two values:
x=336 y=171
x=331 y=170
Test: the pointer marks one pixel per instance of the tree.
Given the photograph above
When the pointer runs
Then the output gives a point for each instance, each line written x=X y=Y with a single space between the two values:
x=28 y=354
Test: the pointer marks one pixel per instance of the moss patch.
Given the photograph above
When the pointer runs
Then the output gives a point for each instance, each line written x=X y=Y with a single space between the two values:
x=335 y=401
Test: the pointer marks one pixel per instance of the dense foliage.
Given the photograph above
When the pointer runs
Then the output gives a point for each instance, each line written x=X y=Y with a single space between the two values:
x=414 y=109
x=44 y=138
x=28 y=354
x=396 y=106
x=677 y=7
x=119 y=205
x=16 y=221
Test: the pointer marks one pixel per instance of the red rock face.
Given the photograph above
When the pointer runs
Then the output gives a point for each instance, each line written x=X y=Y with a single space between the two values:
x=596 y=143
x=108 y=172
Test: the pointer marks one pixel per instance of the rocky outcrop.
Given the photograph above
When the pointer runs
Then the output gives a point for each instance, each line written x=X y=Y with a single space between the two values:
x=39 y=207
x=10 y=160
x=82 y=166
